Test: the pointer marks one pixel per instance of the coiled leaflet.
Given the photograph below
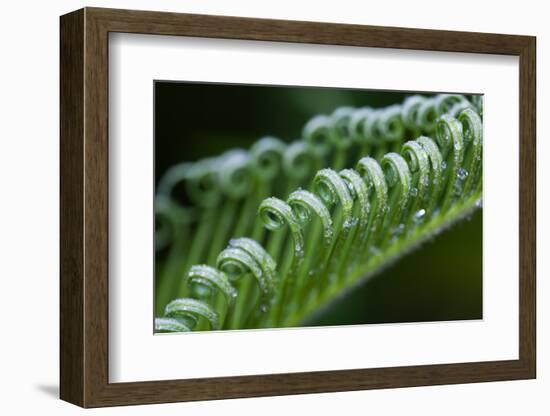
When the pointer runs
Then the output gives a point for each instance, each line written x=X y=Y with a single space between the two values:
x=378 y=197
x=189 y=311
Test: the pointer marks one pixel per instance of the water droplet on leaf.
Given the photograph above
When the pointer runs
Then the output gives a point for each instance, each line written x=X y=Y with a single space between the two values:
x=418 y=215
x=462 y=174
x=399 y=229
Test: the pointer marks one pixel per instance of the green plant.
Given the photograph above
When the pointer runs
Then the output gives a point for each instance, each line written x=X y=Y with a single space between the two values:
x=289 y=251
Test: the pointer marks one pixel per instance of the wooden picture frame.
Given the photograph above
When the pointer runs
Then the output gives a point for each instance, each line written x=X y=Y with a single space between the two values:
x=84 y=207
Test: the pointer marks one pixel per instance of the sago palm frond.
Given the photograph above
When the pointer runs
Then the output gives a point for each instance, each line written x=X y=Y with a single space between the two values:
x=271 y=235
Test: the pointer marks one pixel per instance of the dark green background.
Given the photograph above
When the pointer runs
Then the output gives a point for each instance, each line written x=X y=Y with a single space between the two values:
x=442 y=280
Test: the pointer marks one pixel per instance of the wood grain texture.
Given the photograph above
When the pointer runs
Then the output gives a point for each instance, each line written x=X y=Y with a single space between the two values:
x=527 y=207
x=84 y=206
x=71 y=213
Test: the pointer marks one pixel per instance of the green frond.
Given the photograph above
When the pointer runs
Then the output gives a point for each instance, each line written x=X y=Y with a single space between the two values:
x=281 y=230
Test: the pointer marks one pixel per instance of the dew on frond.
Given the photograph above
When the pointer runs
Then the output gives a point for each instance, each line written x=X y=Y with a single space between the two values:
x=341 y=215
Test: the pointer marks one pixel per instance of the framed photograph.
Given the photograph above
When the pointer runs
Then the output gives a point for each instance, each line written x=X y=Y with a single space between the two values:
x=264 y=207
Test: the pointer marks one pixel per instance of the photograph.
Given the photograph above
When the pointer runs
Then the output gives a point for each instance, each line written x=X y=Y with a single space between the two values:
x=297 y=206
x=302 y=207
